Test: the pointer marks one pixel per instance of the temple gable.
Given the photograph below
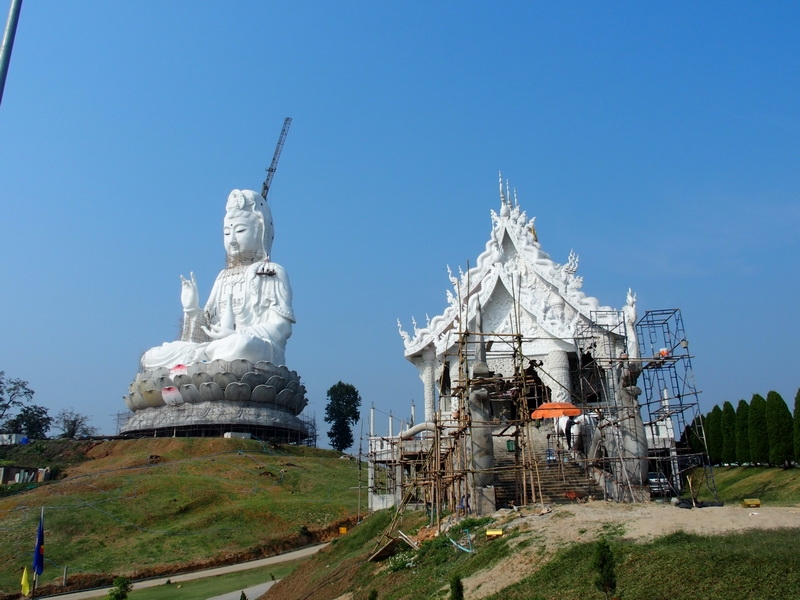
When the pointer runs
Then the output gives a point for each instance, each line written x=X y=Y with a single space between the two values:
x=515 y=288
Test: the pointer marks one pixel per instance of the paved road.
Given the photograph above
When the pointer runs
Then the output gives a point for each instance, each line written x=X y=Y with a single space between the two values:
x=251 y=592
x=253 y=564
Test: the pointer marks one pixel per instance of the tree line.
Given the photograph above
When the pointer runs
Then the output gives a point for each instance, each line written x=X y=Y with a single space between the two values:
x=763 y=432
x=19 y=415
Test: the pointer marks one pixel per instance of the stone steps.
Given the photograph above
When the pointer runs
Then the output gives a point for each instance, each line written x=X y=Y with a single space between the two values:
x=558 y=481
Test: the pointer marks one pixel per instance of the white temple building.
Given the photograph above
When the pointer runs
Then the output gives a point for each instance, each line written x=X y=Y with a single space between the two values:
x=519 y=333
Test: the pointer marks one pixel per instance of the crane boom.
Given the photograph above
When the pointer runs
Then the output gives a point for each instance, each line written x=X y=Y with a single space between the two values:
x=273 y=167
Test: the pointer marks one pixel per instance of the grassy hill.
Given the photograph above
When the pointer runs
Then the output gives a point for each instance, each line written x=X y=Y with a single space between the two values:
x=159 y=506
x=753 y=564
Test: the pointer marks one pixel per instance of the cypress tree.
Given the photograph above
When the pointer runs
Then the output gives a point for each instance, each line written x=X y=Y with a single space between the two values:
x=456 y=588
x=779 y=430
x=728 y=433
x=692 y=437
x=742 y=437
x=797 y=427
x=605 y=565
x=757 y=430
x=714 y=435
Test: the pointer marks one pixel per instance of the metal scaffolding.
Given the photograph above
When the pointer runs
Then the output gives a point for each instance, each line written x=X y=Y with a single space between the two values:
x=483 y=451
x=670 y=409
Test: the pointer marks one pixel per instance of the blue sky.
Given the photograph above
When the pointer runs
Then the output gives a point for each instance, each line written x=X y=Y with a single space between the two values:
x=659 y=141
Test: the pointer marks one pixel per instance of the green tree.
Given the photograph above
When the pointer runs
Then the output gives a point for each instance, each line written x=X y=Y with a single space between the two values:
x=779 y=430
x=714 y=435
x=13 y=393
x=342 y=412
x=122 y=587
x=797 y=426
x=694 y=436
x=604 y=564
x=73 y=424
x=757 y=430
x=32 y=421
x=728 y=433
x=742 y=436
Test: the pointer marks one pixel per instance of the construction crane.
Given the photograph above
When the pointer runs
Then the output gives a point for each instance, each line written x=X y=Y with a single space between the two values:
x=273 y=167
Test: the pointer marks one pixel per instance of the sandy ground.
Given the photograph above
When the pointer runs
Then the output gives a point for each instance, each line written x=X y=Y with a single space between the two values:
x=565 y=524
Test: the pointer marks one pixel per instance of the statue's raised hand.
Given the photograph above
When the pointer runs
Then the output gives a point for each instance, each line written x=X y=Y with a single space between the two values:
x=190 y=297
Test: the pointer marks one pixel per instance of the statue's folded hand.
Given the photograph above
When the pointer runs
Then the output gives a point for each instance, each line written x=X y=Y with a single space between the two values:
x=216 y=332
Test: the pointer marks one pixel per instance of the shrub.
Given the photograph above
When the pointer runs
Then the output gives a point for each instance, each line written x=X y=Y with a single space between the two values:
x=606 y=580
x=122 y=587
x=456 y=588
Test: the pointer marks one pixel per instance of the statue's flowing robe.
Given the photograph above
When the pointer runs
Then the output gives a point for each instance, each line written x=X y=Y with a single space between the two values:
x=263 y=315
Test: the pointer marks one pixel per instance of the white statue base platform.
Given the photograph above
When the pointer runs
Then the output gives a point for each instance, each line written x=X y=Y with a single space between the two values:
x=215 y=418
x=212 y=398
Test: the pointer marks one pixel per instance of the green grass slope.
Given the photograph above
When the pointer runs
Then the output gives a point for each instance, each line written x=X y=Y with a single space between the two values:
x=757 y=565
x=753 y=564
x=773 y=486
x=158 y=506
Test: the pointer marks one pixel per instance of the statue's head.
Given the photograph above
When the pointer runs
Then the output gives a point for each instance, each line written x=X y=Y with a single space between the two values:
x=247 y=229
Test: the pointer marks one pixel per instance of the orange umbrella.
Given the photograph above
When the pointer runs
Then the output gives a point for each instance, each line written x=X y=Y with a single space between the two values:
x=553 y=410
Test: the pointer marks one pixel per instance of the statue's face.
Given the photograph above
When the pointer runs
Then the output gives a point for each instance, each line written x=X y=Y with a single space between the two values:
x=242 y=237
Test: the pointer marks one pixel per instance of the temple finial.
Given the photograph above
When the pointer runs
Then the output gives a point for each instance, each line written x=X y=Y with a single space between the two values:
x=502 y=197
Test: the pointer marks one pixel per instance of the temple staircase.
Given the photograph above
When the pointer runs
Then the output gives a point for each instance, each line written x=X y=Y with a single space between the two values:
x=558 y=474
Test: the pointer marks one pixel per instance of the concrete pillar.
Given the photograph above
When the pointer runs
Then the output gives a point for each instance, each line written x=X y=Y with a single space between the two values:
x=482 y=448
x=428 y=376
x=557 y=365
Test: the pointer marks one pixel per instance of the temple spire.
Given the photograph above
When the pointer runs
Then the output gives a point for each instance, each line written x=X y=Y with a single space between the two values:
x=500 y=181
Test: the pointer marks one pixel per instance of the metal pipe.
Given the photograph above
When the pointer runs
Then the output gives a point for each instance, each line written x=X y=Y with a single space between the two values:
x=409 y=433
x=8 y=42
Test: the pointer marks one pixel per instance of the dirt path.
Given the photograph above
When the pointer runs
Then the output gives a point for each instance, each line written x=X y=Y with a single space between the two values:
x=253 y=564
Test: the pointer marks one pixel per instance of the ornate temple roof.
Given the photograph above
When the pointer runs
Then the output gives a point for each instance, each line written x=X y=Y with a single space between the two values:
x=512 y=272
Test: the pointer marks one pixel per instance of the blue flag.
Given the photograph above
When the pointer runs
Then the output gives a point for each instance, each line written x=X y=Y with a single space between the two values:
x=38 y=552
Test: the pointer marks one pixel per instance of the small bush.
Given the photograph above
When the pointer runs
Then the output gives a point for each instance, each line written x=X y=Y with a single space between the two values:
x=456 y=588
x=122 y=587
x=606 y=580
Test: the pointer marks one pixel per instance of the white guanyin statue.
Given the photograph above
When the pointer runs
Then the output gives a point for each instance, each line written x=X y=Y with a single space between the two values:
x=249 y=312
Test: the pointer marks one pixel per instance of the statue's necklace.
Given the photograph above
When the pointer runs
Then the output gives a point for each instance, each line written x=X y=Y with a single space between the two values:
x=233 y=277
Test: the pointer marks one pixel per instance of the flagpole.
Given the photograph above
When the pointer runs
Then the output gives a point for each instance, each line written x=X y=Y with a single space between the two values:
x=36 y=553
x=8 y=42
